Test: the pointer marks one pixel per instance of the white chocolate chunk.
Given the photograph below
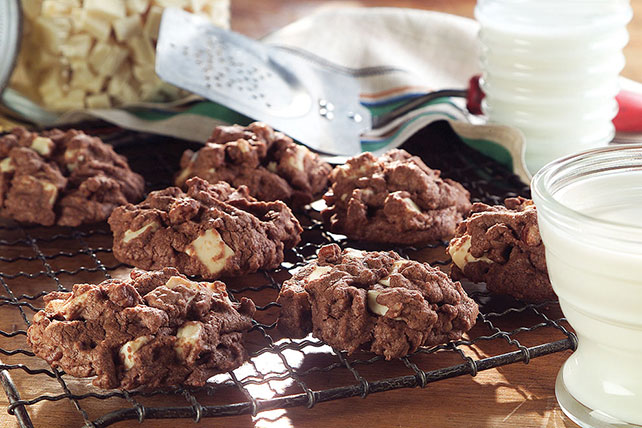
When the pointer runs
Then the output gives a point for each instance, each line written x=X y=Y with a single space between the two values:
x=199 y=5
x=77 y=46
x=459 y=251
x=183 y=176
x=53 y=31
x=51 y=189
x=85 y=79
x=98 y=101
x=130 y=348
x=72 y=100
x=70 y=154
x=125 y=28
x=108 y=10
x=152 y=23
x=175 y=281
x=243 y=146
x=68 y=308
x=94 y=25
x=144 y=73
x=218 y=12
x=351 y=252
x=318 y=272
x=5 y=165
x=412 y=206
x=106 y=58
x=42 y=145
x=133 y=234
x=57 y=7
x=210 y=249
x=128 y=93
x=385 y=281
x=296 y=161
x=120 y=80
x=172 y=3
x=137 y=7
x=271 y=166
x=375 y=307
x=188 y=334
x=141 y=49
x=395 y=269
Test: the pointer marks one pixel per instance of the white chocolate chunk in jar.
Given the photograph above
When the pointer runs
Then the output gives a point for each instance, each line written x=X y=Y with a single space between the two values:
x=375 y=307
x=459 y=251
x=108 y=10
x=210 y=249
x=133 y=234
x=130 y=348
x=60 y=31
x=186 y=336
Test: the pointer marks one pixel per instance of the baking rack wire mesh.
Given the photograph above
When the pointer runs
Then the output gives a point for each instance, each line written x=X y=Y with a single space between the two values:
x=281 y=372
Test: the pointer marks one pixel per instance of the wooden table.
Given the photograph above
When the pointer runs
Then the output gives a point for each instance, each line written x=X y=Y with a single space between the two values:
x=513 y=395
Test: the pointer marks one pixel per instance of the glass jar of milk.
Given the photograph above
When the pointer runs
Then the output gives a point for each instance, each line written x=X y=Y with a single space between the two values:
x=589 y=207
x=550 y=69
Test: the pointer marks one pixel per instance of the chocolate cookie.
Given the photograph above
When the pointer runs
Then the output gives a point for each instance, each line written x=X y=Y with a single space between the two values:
x=375 y=301
x=395 y=199
x=64 y=178
x=269 y=163
x=501 y=246
x=211 y=231
x=157 y=329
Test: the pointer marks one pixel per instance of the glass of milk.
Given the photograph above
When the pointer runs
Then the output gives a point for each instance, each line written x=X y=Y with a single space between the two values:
x=550 y=69
x=589 y=209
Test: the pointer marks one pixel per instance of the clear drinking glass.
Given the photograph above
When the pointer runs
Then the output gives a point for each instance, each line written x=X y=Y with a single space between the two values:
x=550 y=69
x=590 y=217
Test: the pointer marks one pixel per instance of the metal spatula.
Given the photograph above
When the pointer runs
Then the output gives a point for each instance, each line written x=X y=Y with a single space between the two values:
x=313 y=104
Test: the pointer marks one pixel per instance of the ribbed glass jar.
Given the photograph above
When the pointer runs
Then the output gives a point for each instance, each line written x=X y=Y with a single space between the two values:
x=550 y=68
x=589 y=208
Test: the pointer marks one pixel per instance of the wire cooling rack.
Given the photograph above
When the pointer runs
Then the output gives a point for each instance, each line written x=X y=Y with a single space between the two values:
x=282 y=372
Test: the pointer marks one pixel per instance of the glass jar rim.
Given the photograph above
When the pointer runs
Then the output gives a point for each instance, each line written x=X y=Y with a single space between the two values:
x=580 y=165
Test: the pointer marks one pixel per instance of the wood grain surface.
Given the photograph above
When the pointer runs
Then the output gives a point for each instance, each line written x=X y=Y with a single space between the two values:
x=516 y=395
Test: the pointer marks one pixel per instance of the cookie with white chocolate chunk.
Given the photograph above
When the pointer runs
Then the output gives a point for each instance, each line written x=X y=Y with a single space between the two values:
x=154 y=330
x=64 y=178
x=501 y=246
x=374 y=301
x=269 y=163
x=212 y=230
x=395 y=199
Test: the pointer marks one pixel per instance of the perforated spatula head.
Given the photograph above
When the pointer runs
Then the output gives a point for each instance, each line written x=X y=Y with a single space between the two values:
x=312 y=103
